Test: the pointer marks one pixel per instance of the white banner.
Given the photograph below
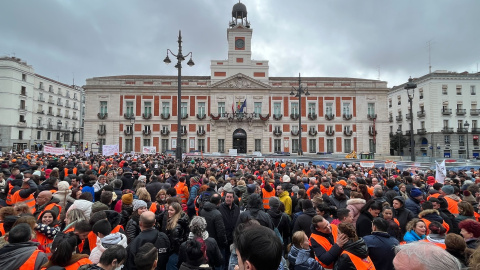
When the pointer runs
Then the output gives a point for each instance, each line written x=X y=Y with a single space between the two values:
x=441 y=172
x=367 y=164
x=147 y=150
x=390 y=165
x=53 y=150
x=109 y=150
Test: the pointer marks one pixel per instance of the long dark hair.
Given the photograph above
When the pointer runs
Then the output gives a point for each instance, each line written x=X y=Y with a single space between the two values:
x=63 y=250
x=54 y=215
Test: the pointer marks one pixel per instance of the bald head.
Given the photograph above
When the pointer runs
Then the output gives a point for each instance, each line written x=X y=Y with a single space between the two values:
x=147 y=220
x=44 y=197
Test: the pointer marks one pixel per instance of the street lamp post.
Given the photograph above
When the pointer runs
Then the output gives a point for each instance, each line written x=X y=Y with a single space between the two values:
x=180 y=57
x=399 y=135
x=298 y=93
x=132 y=123
x=467 y=125
x=411 y=86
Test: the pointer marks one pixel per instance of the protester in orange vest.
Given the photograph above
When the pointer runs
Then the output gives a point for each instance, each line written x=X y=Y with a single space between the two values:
x=449 y=194
x=46 y=229
x=25 y=194
x=326 y=241
x=46 y=201
x=355 y=252
x=182 y=190
x=21 y=253
x=267 y=192
x=436 y=234
x=64 y=256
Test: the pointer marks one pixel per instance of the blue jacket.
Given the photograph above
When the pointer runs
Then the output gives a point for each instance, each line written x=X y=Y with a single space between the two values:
x=413 y=205
x=193 y=196
x=300 y=259
x=381 y=249
x=412 y=236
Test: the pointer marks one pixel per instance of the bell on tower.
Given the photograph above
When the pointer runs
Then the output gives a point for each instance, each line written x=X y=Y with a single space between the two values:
x=239 y=15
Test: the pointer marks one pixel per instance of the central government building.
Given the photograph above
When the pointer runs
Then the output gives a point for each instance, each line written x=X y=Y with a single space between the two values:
x=239 y=106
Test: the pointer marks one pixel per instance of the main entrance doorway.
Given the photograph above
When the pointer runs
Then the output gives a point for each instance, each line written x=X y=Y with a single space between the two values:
x=240 y=141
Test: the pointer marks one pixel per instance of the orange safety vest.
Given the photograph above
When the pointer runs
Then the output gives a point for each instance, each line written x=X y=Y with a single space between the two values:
x=92 y=240
x=30 y=200
x=325 y=190
x=154 y=207
x=360 y=264
x=2 y=229
x=46 y=243
x=50 y=207
x=117 y=229
x=180 y=188
x=452 y=205
x=30 y=263
x=8 y=201
x=427 y=223
x=435 y=195
x=309 y=190
x=437 y=244
x=266 y=197
x=325 y=243
x=65 y=171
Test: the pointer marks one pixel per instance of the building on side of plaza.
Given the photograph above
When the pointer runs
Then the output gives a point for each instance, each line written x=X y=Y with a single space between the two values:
x=442 y=103
x=239 y=106
x=36 y=110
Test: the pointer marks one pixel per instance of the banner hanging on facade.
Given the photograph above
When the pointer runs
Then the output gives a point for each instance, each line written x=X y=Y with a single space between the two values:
x=109 y=150
x=53 y=150
x=148 y=150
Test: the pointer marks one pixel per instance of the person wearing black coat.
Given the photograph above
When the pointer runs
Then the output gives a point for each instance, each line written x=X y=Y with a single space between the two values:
x=304 y=221
x=381 y=245
x=368 y=212
x=280 y=220
x=255 y=211
x=149 y=234
x=230 y=213
x=390 y=193
x=154 y=187
x=355 y=245
x=402 y=214
x=127 y=180
x=215 y=225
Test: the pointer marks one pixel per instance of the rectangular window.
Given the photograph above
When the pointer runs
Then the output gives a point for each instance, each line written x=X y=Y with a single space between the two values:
x=329 y=108
x=347 y=145
x=421 y=93
x=146 y=128
x=23 y=91
x=294 y=108
x=147 y=108
x=164 y=129
x=24 y=77
x=295 y=145
x=459 y=90
x=277 y=145
x=22 y=104
x=445 y=89
x=165 y=109
x=399 y=98
x=472 y=90
x=277 y=129
x=221 y=110
x=294 y=129
x=22 y=118
x=146 y=142
x=312 y=145
x=41 y=86
x=311 y=108
x=67 y=94
x=461 y=140
x=346 y=109
x=183 y=110
x=129 y=129
x=258 y=145
x=102 y=128
x=475 y=140
x=49 y=135
x=165 y=145
x=445 y=124
x=201 y=109
x=330 y=148
x=221 y=145
x=277 y=108
x=39 y=134
x=128 y=145
x=201 y=145
x=50 y=89
x=389 y=103
x=184 y=129
x=371 y=109
x=373 y=146
x=183 y=145
x=39 y=122
x=20 y=134
x=66 y=137
x=59 y=92
x=129 y=110
x=257 y=108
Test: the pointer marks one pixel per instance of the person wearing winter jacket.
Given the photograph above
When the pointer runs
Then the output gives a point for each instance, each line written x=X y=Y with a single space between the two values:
x=354 y=249
x=338 y=197
x=304 y=221
x=194 y=187
x=381 y=245
x=255 y=211
x=175 y=226
x=84 y=203
x=370 y=211
x=105 y=239
x=63 y=194
x=416 y=231
x=355 y=204
x=132 y=228
x=46 y=229
x=414 y=200
x=299 y=255
x=280 y=220
x=402 y=214
x=213 y=217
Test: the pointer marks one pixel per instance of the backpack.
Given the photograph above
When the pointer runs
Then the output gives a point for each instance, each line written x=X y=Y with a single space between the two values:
x=203 y=198
x=277 y=232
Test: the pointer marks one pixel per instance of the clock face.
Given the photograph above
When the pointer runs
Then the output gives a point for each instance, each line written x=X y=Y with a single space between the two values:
x=239 y=43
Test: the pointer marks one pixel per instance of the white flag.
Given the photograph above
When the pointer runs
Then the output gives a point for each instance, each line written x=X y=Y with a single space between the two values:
x=441 y=172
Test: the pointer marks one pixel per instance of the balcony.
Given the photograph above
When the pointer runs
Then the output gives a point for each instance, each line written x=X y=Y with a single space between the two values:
x=74 y=118
x=201 y=116
x=329 y=116
x=447 y=130
x=128 y=132
x=101 y=132
x=50 y=113
x=59 y=115
x=128 y=116
x=461 y=111
x=407 y=132
x=184 y=115
x=201 y=132
x=462 y=130
x=51 y=101
x=67 y=105
x=371 y=116
x=330 y=132
x=165 y=132
x=22 y=123
x=67 y=116
x=312 y=116
x=399 y=118
x=147 y=132
x=59 y=103
x=475 y=130
x=102 y=115
x=348 y=132
x=474 y=111
x=446 y=111
x=183 y=132
x=146 y=115
x=41 y=112
x=41 y=99
x=50 y=126
x=294 y=132
x=347 y=116
x=421 y=131
x=277 y=133
x=312 y=132
x=239 y=117
x=294 y=116
x=277 y=116
x=165 y=116
x=390 y=119
x=407 y=116
x=39 y=126
x=421 y=114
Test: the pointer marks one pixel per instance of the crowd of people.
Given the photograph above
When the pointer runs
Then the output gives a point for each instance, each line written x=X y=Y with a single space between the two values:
x=153 y=212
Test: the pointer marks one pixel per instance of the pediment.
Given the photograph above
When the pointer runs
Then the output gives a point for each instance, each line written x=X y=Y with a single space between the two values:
x=240 y=81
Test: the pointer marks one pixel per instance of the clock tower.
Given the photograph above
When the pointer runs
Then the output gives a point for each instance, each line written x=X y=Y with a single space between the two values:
x=239 y=36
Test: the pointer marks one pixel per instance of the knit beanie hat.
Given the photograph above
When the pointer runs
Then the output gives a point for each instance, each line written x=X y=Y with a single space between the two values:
x=448 y=189
x=251 y=188
x=415 y=192
x=137 y=204
x=274 y=202
x=127 y=198
x=63 y=185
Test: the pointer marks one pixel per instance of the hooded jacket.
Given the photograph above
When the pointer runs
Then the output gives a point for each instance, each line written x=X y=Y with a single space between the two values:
x=431 y=215
x=364 y=224
x=287 y=201
x=300 y=259
x=215 y=225
x=281 y=221
x=355 y=205
x=158 y=239
x=106 y=242
x=381 y=249
x=412 y=236
x=357 y=248
x=402 y=214
x=83 y=205
x=12 y=256
x=255 y=211
x=413 y=205
x=303 y=222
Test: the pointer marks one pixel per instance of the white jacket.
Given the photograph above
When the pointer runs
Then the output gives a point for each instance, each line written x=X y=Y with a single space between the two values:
x=83 y=205
x=106 y=242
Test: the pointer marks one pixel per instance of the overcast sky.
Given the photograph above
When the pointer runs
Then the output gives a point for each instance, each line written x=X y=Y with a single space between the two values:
x=63 y=39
